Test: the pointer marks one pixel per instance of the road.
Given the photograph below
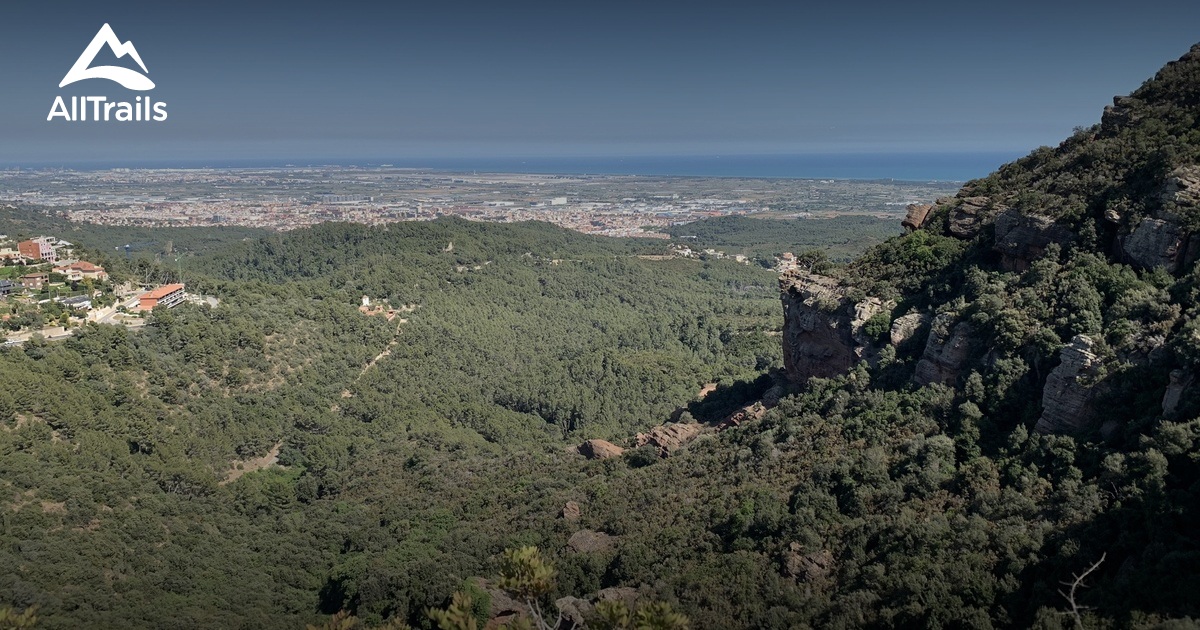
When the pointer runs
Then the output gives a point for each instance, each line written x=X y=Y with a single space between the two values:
x=129 y=303
x=58 y=332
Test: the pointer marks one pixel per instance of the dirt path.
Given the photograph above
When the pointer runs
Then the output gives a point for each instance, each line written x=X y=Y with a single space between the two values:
x=386 y=351
x=251 y=465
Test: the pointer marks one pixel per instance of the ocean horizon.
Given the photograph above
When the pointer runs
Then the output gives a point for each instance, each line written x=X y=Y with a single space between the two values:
x=947 y=167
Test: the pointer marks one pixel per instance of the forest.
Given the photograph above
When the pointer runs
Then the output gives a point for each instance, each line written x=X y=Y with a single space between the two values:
x=418 y=458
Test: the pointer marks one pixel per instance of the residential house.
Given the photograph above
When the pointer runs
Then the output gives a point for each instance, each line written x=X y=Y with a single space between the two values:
x=35 y=281
x=77 y=271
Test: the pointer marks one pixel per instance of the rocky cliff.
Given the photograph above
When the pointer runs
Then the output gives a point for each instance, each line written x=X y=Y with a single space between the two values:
x=823 y=327
x=1071 y=389
x=1048 y=275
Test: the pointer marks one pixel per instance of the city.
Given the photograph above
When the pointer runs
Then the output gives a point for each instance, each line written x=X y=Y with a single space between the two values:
x=290 y=198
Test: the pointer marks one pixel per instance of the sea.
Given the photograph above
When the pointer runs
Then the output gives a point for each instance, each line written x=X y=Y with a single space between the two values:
x=926 y=167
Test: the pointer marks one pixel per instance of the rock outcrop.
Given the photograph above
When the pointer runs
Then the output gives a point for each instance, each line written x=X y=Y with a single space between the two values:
x=1119 y=114
x=916 y=215
x=968 y=217
x=1180 y=381
x=1161 y=240
x=1183 y=187
x=600 y=449
x=748 y=413
x=817 y=339
x=504 y=609
x=1071 y=389
x=822 y=327
x=669 y=438
x=906 y=327
x=1023 y=238
x=946 y=351
x=863 y=312
x=1156 y=243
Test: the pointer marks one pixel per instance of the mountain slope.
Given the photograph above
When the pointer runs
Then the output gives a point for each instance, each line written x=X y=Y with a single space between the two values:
x=1049 y=315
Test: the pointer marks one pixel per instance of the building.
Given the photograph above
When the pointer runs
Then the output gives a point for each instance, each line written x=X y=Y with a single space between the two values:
x=35 y=281
x=37 y=249
x=8 y=287
x=167 y=295
x=80 y=270
x=78 y=302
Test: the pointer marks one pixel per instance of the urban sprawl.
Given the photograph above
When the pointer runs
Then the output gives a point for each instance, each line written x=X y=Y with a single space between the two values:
x=289 y=198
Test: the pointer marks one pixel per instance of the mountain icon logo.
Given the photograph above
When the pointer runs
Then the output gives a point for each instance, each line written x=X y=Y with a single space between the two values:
x=130 y=79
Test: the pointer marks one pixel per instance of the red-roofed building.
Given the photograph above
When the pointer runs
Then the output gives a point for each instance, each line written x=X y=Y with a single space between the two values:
x=167 y=295
x=80 y=270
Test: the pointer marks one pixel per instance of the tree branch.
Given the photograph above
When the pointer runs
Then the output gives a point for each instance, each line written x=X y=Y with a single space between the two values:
x=1076 y=609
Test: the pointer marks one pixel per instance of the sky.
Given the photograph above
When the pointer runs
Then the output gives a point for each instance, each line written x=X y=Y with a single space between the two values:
x=352 y=80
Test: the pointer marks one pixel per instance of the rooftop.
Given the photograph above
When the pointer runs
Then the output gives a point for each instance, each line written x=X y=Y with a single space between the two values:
x=163 y=291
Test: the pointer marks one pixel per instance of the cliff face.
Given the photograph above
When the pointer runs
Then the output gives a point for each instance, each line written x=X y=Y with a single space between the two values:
x=946 y=351
x=823 y=328
x=816 y=331
x=1071 y=389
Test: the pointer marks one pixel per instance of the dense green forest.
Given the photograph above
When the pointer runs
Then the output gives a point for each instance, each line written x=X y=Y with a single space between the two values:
x=413 y=452
x=503 y=355
x=841 y=238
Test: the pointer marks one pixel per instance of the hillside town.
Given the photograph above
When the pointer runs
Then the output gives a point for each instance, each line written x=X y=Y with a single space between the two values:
x=47 y=291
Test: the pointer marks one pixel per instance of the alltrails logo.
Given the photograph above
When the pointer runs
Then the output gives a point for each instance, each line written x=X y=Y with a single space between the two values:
x=99 y=108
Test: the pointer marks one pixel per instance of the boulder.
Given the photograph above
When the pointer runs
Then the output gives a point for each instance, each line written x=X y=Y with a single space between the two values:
x=571 y=512
x=1023 y=238
x=588 y=541
x=600 y=449
x=916 y=215
x=906 y=327
x=946 y=351
x=1070 y=389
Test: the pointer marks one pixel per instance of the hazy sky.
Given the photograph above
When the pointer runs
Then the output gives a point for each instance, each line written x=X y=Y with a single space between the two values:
x=304 y=80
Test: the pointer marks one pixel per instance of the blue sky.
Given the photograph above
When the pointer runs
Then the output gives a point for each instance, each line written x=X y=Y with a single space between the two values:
x=360 y=80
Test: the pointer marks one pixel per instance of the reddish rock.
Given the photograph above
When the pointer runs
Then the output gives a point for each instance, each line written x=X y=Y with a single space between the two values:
x=600 y=449
x=669 y=438
x=917 y=213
